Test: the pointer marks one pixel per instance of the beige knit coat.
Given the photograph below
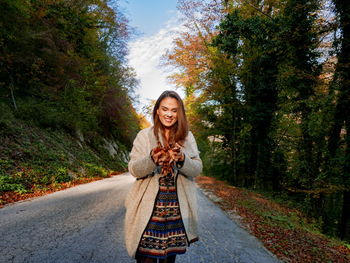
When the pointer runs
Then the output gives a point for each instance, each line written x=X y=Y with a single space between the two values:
x=141 y=198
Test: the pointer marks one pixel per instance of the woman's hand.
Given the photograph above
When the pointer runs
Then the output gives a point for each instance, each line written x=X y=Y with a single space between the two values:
x=176 y=153
x=167 y=157
x=158 y=155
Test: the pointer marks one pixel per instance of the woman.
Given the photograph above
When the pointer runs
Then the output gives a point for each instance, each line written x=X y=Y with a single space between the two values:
x=161 y=209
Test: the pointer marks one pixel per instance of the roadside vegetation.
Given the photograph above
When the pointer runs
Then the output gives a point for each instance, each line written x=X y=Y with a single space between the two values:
x=288 y=233
x=66 y=94
x=36 y=161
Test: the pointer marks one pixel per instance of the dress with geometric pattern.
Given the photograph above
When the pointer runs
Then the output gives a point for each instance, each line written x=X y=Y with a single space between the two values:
x=165 y=233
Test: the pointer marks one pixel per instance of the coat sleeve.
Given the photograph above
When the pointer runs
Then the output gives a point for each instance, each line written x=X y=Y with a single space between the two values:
x=192 y=165
x=140 y=164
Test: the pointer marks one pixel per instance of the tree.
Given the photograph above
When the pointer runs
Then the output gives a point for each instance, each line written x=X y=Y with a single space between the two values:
x=339 y=137
x=64 y=66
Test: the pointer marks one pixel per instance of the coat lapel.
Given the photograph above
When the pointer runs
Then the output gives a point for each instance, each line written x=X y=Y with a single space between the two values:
x=154 y=139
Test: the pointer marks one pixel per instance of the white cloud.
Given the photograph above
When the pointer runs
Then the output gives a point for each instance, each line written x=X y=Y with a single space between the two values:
x=145 y=55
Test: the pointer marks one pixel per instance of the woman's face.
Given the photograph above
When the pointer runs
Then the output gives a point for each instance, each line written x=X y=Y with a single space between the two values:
x=167 y=111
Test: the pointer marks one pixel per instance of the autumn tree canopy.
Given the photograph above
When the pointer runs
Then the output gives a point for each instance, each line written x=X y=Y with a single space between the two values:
x=266 y=94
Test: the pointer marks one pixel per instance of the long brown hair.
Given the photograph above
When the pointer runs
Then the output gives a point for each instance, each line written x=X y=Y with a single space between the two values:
x=179 y=130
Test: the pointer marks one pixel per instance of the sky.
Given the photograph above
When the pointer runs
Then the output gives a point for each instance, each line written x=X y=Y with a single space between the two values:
x=156 y=22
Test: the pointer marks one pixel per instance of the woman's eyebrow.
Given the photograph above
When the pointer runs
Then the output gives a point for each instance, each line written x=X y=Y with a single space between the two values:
x=164 y=107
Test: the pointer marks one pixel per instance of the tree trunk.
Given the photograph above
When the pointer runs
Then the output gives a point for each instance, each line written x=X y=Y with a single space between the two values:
x=344 y=226
x=342 y=112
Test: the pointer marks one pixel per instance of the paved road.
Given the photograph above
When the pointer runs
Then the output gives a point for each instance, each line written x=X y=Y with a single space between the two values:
x=85 y=224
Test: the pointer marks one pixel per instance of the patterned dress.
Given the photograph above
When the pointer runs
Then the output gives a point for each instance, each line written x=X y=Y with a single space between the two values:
x=165 y=233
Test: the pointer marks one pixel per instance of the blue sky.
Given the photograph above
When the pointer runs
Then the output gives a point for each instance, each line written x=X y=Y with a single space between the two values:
x=157 y=23
x=148 y=16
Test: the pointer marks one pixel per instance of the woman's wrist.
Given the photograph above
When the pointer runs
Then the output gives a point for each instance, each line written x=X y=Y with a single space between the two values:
x=180 y=162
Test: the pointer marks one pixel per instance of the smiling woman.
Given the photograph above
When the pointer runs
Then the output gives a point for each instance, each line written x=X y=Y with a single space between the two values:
x=161 y=215
x=169 y=117
x=167 y=111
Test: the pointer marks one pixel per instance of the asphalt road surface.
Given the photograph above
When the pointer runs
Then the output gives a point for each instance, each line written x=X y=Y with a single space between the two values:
x=85 y=224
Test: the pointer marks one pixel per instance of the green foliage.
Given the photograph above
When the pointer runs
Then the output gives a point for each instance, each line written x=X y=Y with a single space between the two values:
x=34 y=157
x=8 y=184
x=6 y=115
x=94 y=170
x=285 y=122
x=61 y=69
x=253 y=41
x=271 y=91
x=217 y=162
